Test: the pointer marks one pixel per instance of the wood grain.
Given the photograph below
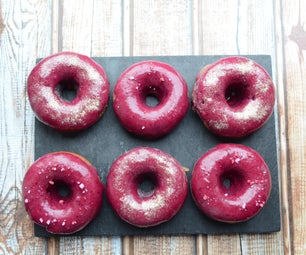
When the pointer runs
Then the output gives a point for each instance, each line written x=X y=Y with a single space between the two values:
x=160 y=245
x=22 y=40
x=90 y=245
x=2 y=25
x=294 y=37
x=283 y=130
x=170 y=30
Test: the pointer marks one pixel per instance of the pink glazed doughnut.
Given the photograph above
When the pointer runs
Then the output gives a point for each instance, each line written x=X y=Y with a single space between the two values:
x=150 y=78
x=248 y=184
x=146 y=208
x=62 y=213
x=234 y=96
x=68 y=71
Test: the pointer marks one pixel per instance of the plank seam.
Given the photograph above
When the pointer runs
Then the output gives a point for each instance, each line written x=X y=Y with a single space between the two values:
x=237 y=27
x=127 y=27
x=287 y=198
x=240 y=243
x=57 y=33
x=91 y=27
x=131 y=17
x=195 y=26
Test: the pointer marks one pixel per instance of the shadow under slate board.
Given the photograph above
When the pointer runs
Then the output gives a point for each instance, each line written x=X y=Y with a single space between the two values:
x=107 y=139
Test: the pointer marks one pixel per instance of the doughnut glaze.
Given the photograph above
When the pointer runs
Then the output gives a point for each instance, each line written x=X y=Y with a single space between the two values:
x=231 y=183
x=68 y=71
x=62 y=192
x=139 y=207
x=155 y=79
x=234 y=96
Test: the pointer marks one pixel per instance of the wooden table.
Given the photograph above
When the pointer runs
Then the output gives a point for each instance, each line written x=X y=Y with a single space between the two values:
x=36 y=28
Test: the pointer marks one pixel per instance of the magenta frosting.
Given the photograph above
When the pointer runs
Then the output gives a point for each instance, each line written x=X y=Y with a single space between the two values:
x=234 y=96
x=57 y=213
x=150 y=78
x=162 y=203
x=91 y=97
x=248 y=187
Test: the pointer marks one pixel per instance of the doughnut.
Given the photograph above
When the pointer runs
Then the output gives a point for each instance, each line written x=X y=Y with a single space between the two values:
x=62 y=192
x=151 y=206
x=234 y=96
x=148 y=79
x=231 y=183
x=53 y=77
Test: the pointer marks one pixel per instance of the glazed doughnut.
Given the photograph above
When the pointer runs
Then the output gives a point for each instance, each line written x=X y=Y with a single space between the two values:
x=233 y=96
x=145 y=208
x=62 y=72
x=62 y=192
x=231 y=183
x=144 y=79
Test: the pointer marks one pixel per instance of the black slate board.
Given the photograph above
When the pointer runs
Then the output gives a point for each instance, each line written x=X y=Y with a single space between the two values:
x=106 y=140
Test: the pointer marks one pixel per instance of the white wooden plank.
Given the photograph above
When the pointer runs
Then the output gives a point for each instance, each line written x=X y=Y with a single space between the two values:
x=162 y=28
x=294 y=38
x=283 y=133
x=127 y=22
x=253 y=244
x=107 y=28
x=76 y=26
x=219 y=22
x=23 y=39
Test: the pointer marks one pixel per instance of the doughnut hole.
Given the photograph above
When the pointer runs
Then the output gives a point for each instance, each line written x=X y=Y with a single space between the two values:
x=153 y=88
x=59 y=190
x=146 y=184
x=232 y=182
x=67 y=90
x=237 y=93
x=152 y=100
